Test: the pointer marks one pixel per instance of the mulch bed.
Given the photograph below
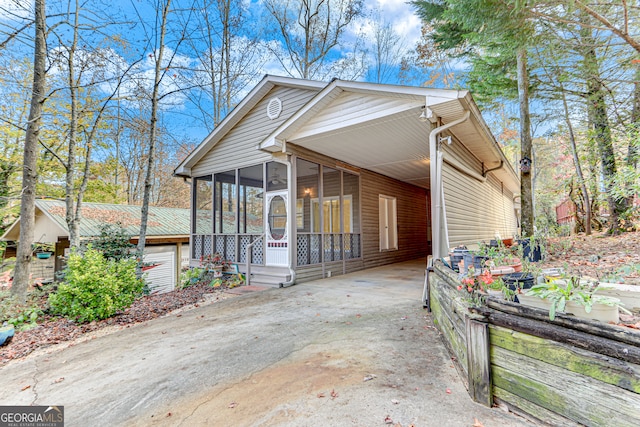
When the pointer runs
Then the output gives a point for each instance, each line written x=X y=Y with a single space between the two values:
x=55 y=330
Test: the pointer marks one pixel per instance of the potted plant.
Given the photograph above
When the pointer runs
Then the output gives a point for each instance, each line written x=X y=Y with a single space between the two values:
x=214 y=263
x=573 y=297
x=42 y=250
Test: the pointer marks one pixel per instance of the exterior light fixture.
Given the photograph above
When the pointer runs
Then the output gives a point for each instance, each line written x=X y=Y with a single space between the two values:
x=525 y=165
x=425 y=115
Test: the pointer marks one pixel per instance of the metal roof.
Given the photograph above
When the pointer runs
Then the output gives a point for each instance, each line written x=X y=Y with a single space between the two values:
x=161 y=221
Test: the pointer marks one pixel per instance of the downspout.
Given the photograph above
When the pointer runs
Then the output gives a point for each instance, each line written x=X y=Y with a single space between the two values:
x=435 y=179
x=291 y=220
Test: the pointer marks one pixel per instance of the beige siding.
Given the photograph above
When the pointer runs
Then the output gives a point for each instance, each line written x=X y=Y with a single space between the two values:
x=239 y=148
x=412 y=220
x=476 y=211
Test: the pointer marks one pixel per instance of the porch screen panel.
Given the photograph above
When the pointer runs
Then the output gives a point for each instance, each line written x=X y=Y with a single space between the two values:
x=202 y=224
x=309 y=237
x=225 y=206
x=351 y=215
x=251 y=200
x=331 y=222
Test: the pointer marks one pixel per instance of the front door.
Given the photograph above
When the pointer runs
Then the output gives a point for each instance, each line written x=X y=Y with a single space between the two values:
x=277 y=240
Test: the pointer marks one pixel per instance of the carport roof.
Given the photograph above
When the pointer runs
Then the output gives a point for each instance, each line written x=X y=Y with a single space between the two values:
x=372 y=126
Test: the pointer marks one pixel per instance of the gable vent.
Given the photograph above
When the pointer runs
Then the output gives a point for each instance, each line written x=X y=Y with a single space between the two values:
x=274 y=108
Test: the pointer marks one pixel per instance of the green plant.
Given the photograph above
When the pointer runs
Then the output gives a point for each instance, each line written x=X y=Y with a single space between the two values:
x=95 y=287
x=560 y=292
x=191 y=276
x=213 y=261
x=114 y=242
x=23 y=316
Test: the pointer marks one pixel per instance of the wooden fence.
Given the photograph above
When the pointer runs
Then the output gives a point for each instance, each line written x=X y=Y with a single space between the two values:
x=563 y=372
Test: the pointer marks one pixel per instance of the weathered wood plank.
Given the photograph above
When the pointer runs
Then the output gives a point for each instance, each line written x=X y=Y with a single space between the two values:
x=479 y=361
x=452 y=339
x=596 y=344
x=594 y=327
x=603 y=368
x=577 y=397
x=530 y=410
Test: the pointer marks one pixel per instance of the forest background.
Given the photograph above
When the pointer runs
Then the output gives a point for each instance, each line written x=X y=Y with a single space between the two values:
x=100 y=101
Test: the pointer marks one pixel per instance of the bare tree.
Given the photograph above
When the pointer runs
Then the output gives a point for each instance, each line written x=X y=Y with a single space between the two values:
x=29 y=172
x=387 y=50
x=309 y=31
x=228 y=54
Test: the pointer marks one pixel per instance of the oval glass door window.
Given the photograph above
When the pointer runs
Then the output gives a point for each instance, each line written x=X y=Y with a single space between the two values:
x=277 y=218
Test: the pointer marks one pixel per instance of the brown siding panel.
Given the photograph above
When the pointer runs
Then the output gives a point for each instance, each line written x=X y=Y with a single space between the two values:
x=412 y=220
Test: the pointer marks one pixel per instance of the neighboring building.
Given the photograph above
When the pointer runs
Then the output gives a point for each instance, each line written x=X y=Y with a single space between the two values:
x=566 y=214
x=167 y=237
x=342 y=176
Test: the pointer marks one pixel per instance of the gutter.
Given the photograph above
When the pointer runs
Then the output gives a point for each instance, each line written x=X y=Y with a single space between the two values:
x=435 y=179
x=291 y=222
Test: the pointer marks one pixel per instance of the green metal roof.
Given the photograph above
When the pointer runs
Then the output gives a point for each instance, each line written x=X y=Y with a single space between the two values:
x=161 y=221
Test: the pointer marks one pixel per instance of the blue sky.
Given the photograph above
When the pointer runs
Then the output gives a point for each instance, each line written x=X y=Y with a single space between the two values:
x=396 y=12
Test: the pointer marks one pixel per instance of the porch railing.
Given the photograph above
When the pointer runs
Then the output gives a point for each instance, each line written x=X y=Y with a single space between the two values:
x=312 y=247
x=232 y=247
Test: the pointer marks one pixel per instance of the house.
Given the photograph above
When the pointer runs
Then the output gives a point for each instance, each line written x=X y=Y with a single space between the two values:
x=317 y=179
x=166 y=242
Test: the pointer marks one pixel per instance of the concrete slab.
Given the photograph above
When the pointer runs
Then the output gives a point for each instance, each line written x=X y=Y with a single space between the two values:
x=354 y=350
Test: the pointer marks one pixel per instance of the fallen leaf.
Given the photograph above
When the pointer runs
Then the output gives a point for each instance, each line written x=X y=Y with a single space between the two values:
x=477 y=423
x=232 y=405
x=169 y=414
x=358 y=315
x=59 y=380
x=388 y=420
x=448 y=391
x=369 y=377
x=25 y=387
x=321 y=395
x=395 y=401
x=334 y=394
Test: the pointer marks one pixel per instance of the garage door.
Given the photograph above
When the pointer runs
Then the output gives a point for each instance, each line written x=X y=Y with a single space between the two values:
x=162 y=277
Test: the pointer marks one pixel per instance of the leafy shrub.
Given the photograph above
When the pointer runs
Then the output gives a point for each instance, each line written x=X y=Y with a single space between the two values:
x=113 y=242
x=95 y=287
x=23 y=316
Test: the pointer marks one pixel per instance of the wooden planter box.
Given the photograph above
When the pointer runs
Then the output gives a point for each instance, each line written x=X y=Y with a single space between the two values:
x=563 y=372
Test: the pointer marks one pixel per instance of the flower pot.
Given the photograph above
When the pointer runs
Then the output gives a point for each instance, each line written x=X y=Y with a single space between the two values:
x=533 y=301
x=602 y=312
x=43 y=255
x=216 y=270
x=477 y=261
x=518 y=280
x=529 y=252
x=501 y=271
x=456 y=256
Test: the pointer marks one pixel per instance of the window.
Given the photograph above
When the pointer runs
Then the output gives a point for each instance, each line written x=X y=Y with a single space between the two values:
x=331 y=214
x=300 y=214
x=388 y=223
x=203 y=201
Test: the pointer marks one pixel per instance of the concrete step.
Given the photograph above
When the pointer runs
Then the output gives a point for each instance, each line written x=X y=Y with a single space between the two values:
x=266 y=275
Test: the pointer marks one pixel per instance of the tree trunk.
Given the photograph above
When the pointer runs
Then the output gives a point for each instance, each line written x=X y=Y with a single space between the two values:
x=633 y=151
x=29 y=169
x=599 y=122
x=72 y=221
x=526 y=189
x=152 y=132
x=576 y=162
